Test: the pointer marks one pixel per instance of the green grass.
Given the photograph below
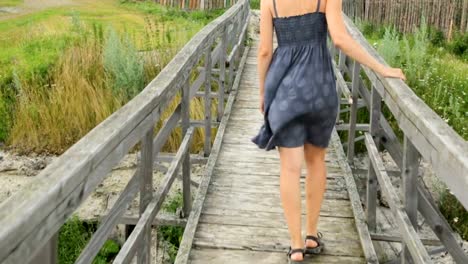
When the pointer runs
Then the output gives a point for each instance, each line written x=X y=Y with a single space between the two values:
x=425 y=66
x=43 y=64
x=73 y=237
x=8 y=3
x=172 y=234
x=254 y=4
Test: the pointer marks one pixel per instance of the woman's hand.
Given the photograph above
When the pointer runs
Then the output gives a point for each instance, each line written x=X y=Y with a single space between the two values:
x=393 y=73
x=262 y=105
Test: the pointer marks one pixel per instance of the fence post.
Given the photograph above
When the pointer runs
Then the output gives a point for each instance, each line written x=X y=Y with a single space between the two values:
x=48 y=254
x=146 y=194
x=222 y=73
x=353 y=112
x=371 y=193
x=410 y=190
x=207 y=99
x=185 y=110
x=232 y=41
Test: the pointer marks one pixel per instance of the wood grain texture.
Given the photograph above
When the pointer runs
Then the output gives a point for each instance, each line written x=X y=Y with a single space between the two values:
x=434 y=139
x=242 y=220
x=32 y=216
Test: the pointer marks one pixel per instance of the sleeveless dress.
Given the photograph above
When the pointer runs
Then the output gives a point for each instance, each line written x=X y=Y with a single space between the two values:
x=300 y=98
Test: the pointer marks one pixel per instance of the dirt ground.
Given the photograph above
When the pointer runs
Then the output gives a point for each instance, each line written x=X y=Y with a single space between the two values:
x=31 y=6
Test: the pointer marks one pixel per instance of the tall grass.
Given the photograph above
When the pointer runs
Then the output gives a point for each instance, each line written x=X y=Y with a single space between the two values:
x=435 y=75
x=98 y=72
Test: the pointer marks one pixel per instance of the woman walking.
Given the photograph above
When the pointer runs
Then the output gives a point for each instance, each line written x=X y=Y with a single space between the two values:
x=300 y=104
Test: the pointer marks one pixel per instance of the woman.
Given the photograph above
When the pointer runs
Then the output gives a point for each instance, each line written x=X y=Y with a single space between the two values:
x=299 y=102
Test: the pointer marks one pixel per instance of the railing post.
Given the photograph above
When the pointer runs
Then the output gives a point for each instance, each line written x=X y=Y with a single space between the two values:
x=207 y=99
x=232 y=41
x=341 y=61
x=410 y=190
x=185 y=111
x=222 y=73
x=353 y=112
x=48 y=254
x=146 y=194
x=371 y=193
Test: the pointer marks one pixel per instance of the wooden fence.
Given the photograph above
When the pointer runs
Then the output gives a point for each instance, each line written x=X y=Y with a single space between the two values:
x=426 y=136
x=198 y=4
x=405 y=14
x=31 y=218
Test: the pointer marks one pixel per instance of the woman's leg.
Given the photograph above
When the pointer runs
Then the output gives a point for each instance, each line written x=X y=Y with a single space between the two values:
x=291 y=160
x=315 y=187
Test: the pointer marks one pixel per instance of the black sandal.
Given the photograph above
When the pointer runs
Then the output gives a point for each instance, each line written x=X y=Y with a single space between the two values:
x=292 y=251
x=317 y=249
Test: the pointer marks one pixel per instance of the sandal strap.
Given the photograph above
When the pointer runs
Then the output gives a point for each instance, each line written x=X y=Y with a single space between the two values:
x=292 y=251
x=315 y=238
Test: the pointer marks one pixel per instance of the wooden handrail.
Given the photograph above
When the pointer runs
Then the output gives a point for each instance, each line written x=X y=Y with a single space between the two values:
x=435 y=140
x=426 y=135
x=30 y=218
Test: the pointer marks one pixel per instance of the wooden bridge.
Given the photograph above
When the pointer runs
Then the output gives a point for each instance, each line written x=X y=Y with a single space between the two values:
x=236 y=216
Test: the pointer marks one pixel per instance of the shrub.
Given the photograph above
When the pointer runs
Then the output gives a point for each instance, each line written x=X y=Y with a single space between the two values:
x=459 y=45
x=455 y=213
x=389 y=47
x=73 y=237
x=123 y=66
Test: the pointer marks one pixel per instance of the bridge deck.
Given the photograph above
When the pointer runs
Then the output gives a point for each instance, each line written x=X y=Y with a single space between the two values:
x=242 y=219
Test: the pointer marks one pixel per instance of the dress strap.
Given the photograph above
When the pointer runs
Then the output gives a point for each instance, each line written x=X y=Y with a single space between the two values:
x=274 y=7
x=318 y=6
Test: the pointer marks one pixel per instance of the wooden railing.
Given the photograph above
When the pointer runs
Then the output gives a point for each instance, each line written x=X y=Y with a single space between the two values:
x=31 y=218
x=426 y=136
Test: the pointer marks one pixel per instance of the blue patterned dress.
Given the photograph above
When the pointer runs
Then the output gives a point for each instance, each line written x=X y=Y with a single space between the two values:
x=301 y=102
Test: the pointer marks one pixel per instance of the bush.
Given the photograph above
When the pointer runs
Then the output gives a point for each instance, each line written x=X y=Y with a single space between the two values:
x=123 y=66
x=459 y=45
x=389 y=47
x=172 y=234
x=254 y=4
x=455 y=213
x=73 y=237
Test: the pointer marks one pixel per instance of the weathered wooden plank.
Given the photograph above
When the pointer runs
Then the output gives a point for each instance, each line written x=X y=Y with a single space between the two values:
x=161 y=219
x=338 y=193
x=207 y=101
x=271 y=203
x=221 y=178
x=186 y=181
x=358 y=212
x=146 y=194
x=269 y=219
x=29 y=241
x=353 y=115
x=371 y=186
x=231 y=256
x=439 y=225
x=222 y=74
x=49 y=253
x=410 y=236
x=189 y=231
x=108 y=223
x=131 y=245
x=410 y=191
x=268 y=239
x=435 y=139
x=333 y=172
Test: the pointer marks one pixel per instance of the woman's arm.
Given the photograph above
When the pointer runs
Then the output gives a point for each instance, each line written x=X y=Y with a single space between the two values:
x=349 y=46
x=265 y=49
